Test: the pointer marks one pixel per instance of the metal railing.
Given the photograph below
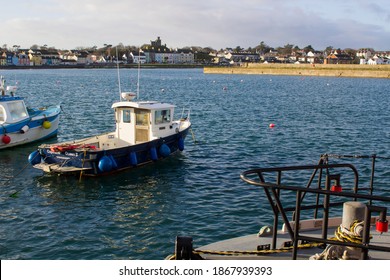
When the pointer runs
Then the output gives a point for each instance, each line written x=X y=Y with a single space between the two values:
x=324 y=174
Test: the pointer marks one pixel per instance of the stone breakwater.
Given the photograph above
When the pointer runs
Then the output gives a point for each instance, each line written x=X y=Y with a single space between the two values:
x=325 y=70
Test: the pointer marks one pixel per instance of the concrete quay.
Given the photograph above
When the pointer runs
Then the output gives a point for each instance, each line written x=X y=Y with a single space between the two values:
x=320 y=70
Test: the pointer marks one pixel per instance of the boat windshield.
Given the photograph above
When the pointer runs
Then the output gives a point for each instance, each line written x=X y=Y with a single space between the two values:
x=162 y=116
x=17 y=110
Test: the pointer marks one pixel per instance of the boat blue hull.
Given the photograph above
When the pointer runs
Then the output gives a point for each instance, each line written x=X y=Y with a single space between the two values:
x=103 y=162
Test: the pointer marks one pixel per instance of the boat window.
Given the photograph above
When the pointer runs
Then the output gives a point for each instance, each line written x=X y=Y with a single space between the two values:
x=1 y=114
x=17 y=110
x=162 y=116
x=126 y=116
x=142 y=117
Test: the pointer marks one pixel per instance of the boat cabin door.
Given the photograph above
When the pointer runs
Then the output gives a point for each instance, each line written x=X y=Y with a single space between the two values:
x=142 y=125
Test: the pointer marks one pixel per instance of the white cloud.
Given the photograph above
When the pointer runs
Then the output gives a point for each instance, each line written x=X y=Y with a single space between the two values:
x=214 y=23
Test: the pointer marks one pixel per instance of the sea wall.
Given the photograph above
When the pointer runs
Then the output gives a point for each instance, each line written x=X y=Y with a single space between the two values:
x=325 y=70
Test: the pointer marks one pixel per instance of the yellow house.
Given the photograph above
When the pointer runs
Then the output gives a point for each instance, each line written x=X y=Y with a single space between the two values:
x=35 y=58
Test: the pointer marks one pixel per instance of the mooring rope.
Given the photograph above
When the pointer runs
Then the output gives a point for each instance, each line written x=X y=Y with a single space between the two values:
x=14 y=194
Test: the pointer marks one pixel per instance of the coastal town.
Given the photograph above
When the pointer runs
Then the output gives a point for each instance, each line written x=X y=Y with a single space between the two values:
x=157 y=53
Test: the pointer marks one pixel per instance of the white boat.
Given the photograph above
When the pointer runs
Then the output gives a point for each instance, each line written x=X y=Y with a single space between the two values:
x=348 y=221
x=20 y=124
x=145 y=132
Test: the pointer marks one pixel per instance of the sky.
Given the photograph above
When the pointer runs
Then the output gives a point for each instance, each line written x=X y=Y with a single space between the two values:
x=217 y=24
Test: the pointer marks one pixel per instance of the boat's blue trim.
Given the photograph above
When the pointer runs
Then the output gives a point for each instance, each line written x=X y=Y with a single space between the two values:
x=48 y=111
x=7 y=98
x=16 y=127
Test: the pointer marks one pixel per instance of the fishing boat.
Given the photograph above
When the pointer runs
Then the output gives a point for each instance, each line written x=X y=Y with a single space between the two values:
x=145 y=132
x=332 y=216
x=22 y=125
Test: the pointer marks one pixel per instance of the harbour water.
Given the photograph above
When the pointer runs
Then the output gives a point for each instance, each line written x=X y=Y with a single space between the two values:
x=137 y=214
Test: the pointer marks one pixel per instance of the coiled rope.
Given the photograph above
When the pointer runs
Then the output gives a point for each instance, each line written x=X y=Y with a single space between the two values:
x=343 y=234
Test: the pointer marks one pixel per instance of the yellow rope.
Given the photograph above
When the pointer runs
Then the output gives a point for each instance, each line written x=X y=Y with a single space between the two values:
x=259 y=252
x=193 y=135
x=82 y=165
x=339 y=235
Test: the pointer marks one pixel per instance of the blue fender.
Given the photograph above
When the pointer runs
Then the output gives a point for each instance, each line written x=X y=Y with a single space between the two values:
x=153 y=153
x=34 y=158
x=105 y=164
x=164 y=150
x=133 y=159
x=180 y=143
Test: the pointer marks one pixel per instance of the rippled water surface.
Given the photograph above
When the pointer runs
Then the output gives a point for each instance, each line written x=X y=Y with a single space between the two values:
x=137 y=214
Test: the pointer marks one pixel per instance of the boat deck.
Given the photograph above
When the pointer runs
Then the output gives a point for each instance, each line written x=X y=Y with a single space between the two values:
x=245 y=247
x=57 y=168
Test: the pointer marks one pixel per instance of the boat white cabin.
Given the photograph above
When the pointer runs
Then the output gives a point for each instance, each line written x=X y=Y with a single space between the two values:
x=13 y=111
x=138 y=122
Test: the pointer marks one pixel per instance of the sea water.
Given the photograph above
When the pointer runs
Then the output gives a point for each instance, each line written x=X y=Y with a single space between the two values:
x=138 y=213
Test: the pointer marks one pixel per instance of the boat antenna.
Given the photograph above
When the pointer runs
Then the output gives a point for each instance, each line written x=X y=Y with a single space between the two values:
x=119 y=77
x=139 y=67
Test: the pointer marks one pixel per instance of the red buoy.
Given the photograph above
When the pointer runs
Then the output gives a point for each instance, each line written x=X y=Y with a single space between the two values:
x=336 y=188
x=382 y=226
x=271 y=125
x=6 y=139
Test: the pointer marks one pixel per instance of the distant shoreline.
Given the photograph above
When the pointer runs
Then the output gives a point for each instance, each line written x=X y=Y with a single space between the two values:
x=320 y=70
x=101 y=66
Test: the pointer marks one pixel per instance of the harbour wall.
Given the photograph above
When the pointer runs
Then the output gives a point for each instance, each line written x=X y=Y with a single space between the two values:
x=325 y=70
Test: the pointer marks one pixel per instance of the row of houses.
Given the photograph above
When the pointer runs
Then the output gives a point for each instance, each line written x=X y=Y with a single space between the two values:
x=45 y=57
x=335 y=57
x=150 y=53
x=39 y=57
x=369 y=56
x=156 y=52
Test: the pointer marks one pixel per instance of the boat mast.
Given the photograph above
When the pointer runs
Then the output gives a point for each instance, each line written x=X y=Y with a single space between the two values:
x=119 y=77
x=139 y=67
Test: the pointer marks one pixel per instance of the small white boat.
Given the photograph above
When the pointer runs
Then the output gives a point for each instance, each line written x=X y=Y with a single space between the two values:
x=348 y=221
x=20 y=124
x=145 y=132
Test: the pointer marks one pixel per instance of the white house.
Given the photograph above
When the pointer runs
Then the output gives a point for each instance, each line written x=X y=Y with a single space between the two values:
x=375 y=60
x=313 y=57
x=183 y=57
x=364 y=55
x=139 y=57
